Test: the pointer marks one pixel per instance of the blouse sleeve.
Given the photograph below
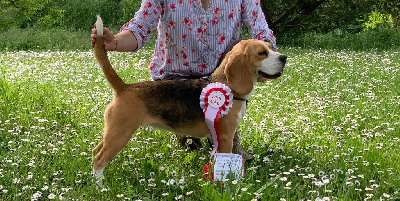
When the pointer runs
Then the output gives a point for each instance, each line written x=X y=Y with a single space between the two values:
x=256 y=23
x=145 y=20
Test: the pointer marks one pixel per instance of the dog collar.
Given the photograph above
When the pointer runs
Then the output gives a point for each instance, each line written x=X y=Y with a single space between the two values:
x=241 y=99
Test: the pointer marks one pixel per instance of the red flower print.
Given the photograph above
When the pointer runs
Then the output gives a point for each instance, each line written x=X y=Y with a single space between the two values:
x=184 y=36
x=186 y=64
x=230 y=16
x=148 y=31
x=186 y=21
x=145 y=13
x=161 y=71
x=221 y=39
x=254 y=13
x=202 y=66
x=184 y=56
x=180 y=1
x=140 y=26
x=260 y=36
x=190 y=28
x=142 y=36
x=155 y=12
x=148 y=5
x=199 y=30
x=271 y=34
x=171 y=25
x=214 y=22
x=172 y=6
x=217 y=11
x=193 y=50
x=168 y=61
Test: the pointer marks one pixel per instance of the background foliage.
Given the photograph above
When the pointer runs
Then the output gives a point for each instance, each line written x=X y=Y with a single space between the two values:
x=282 y=15
x=365 y=24
x=326 y=15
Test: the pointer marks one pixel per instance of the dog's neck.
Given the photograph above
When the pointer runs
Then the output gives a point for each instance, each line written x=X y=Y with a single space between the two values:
x=219 y=76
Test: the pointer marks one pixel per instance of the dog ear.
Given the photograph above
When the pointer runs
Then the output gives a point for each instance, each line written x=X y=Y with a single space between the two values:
x=238 y=72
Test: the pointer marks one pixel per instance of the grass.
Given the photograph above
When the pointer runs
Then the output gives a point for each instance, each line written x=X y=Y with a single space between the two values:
x=56 y=39
x=328 y=129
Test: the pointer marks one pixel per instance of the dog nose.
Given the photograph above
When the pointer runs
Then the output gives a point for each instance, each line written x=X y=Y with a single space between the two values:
x=283 y=58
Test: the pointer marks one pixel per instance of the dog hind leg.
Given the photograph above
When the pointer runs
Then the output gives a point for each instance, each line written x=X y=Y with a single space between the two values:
x=97 y=148
x=118 y=130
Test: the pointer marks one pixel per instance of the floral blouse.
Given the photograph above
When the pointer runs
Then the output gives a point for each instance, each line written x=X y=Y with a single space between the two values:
x=190 y=39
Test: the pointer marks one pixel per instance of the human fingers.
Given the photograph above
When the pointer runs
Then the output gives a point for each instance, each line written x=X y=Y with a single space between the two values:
x=108 y=35
x=93 y=39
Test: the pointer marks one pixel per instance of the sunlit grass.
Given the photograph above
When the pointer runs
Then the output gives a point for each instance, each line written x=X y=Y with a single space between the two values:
x=327 y=129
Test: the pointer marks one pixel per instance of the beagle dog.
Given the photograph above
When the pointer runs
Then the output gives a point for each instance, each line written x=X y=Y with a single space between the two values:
x=174 y=104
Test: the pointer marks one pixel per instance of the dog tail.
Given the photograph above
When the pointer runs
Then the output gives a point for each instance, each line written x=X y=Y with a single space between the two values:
x=100 y=53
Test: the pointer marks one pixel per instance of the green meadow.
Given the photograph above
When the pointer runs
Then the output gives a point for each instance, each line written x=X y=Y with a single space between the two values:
x=328 y=129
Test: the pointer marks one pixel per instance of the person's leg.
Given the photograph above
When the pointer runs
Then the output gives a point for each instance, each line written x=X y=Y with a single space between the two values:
x=190 y=142
x=237 y=148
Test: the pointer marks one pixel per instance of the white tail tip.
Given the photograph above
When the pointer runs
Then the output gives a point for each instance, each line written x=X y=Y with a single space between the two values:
x=99 y=26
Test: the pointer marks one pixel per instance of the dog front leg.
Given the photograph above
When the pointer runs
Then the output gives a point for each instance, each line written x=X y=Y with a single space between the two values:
x=225 y=143
x=227 y=127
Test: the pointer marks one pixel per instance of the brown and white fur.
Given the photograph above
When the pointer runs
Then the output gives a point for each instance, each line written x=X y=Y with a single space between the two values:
x=174 y=104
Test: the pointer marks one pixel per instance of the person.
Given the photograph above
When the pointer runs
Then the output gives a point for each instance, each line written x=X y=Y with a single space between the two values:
x=192 y=37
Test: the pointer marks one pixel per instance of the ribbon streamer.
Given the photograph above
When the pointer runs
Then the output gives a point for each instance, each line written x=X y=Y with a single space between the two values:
x=215 y=100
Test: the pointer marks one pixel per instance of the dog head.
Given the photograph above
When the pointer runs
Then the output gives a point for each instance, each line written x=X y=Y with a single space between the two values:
x=250 y=61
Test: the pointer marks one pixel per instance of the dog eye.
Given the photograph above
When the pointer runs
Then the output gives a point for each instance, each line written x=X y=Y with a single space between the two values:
x=262 y=53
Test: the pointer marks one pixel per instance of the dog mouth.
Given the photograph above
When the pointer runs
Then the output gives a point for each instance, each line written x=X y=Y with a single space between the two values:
x=268 y=76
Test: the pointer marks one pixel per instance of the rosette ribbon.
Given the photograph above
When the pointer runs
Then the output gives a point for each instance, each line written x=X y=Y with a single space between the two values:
x=215 y=100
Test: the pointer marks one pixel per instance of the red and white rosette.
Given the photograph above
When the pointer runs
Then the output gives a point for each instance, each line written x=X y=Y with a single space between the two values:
x=215 y=100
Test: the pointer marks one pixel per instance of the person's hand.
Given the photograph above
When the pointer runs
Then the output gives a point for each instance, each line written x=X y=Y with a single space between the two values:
x=108 y=36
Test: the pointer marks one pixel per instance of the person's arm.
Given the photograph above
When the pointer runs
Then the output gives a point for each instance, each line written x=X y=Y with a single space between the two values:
x=124 y=41
x=256 y=23
x=141 y=25
x=135 y=33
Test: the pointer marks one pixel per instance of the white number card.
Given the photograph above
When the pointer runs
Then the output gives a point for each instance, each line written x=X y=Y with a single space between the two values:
x=225 y=164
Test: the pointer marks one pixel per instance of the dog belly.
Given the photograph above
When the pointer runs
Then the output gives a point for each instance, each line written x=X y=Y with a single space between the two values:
x=198 y=130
